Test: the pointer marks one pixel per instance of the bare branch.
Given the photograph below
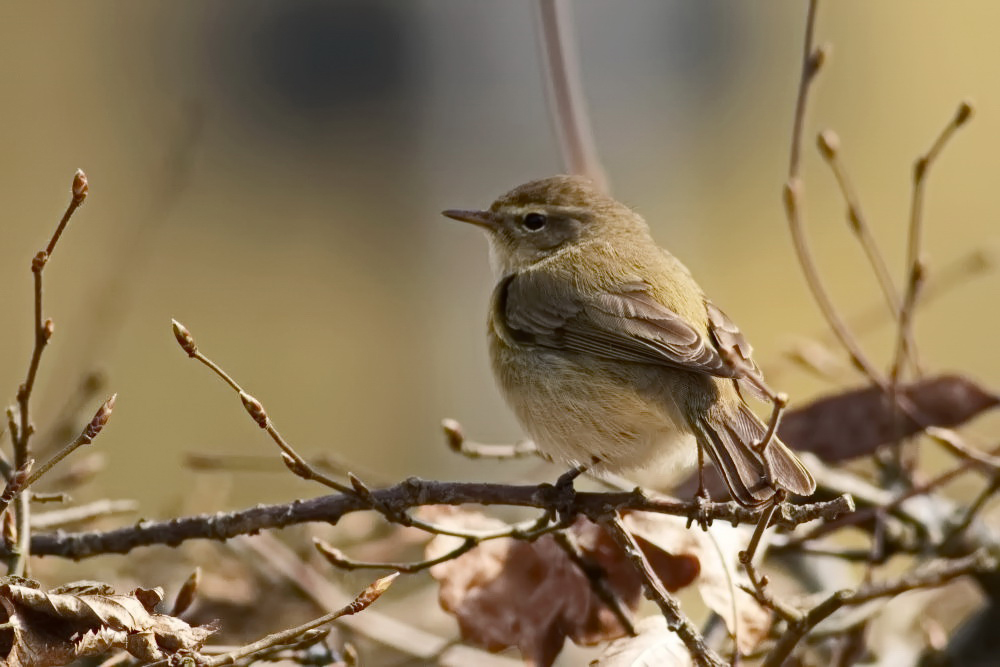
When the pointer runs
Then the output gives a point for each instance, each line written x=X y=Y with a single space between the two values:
x=936 y=573
x=43 y=330
x=565 y=91
x=407 y=494
x=701 y=654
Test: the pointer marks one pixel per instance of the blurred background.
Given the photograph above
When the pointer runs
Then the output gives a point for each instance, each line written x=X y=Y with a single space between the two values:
x=271 y=175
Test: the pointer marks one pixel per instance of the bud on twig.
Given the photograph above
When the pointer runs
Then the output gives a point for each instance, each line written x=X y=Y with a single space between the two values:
x=294 y=466
x=359 y=487
x=332 y=554
x=373 y=592
x=790 y=195
x=819 y=57
x=964 y=113
x=9 y=531
x=453 y=434
x=254 y=407
x=38 y=261
x=17 y=483
x=829 y=144
x=99 y=421
x=187 y=594
x=48 y=329
x=184 y=338
x=80 y=187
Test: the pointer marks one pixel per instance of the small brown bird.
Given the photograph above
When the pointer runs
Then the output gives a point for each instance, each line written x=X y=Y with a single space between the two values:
x=607 y=350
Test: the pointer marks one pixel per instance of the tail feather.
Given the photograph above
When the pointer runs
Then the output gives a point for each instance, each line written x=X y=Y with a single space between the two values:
x=752 y=482
x=743 y=473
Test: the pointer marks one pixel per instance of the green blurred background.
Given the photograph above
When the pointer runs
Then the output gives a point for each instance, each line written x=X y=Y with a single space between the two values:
x=270 y=174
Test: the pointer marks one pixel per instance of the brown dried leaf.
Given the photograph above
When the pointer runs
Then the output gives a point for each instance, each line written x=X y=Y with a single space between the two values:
x=654 y=646
x=49 y=629
x=530 y=594
x=855 y=423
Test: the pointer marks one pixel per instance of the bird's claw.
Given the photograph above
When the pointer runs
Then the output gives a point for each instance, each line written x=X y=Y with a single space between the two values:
x=701 y=514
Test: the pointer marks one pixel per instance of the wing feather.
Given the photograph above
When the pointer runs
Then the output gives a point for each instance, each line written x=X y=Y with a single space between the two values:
x=626 y=324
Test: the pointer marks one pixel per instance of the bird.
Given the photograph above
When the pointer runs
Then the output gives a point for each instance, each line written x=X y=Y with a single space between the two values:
x=609 y=353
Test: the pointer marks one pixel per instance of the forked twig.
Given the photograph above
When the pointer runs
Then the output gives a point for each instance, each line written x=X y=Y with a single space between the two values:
x=916 y=269
x=42 y=332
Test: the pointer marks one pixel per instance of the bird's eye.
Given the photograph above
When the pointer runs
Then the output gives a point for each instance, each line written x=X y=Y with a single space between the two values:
x=534 y=221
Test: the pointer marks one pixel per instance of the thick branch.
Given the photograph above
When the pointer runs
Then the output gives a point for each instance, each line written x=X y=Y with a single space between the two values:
x=407 y=494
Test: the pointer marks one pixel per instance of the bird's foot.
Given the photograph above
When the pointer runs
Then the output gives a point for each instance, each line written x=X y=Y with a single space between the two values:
x=561 y=496
x=700 y=514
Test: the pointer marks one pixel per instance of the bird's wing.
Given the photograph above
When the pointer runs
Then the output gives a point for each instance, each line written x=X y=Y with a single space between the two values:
x=736 y=348
x=626 y=324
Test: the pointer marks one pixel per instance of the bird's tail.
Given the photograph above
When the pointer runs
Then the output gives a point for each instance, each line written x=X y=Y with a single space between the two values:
x=729 y=440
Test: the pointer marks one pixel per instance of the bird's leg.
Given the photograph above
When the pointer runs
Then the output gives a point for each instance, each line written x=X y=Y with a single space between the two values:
x=701 y=497
x=563 y=495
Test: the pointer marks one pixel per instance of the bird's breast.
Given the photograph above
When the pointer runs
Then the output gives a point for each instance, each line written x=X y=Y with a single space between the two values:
x=578 y=409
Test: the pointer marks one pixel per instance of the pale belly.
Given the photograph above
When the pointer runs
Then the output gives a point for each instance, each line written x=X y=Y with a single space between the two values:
x=607 y=417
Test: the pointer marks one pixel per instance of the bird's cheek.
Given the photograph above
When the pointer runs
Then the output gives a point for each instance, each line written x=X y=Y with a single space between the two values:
x=500 y=260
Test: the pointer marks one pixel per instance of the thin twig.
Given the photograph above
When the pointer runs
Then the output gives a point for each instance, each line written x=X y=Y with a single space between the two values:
x=82 y=513
x=955 y=444
x=274 y=557
x=90 y=431
x=337 y=558
x=598 y=579
x=476 y=450
x=565 y=91
x=914 y=262
x=701 y=654
x=17 y=483
x=829 y=148
x=758 y=589
x=42 y=332
x=971 y=511
x=812 y=61
x=297 y=464
x=890 y=505
x=360 y=603
x=936 y=573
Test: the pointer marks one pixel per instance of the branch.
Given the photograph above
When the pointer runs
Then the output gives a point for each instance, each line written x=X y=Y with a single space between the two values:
x=916 y=270
x=407 y=494
x=43 y=330
x=936 y=573
x=565 y=92
x=812 y=61
x=701 y=654
x=829 y=148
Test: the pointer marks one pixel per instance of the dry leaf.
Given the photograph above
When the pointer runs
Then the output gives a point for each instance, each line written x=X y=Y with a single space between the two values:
x=531 y=595
x=855 y=423
x=654 y=646
x=84 y=619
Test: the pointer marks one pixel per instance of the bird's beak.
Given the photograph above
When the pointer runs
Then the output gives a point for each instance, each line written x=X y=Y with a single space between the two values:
x=484 y=219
